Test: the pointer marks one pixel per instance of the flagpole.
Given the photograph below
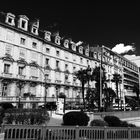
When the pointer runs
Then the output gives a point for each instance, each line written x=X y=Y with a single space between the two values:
x=101 y=79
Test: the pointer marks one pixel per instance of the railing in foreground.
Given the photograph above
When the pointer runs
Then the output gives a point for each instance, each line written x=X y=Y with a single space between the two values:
x=23 y=132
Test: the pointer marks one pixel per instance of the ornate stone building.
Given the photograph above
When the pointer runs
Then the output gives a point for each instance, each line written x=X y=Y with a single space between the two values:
x=32 y=59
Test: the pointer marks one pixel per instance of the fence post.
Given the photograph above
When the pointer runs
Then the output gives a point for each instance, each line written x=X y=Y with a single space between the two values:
x=105 y=133
x=2 y=128
x=77 y=132
x=129 y=133
x=43 y=132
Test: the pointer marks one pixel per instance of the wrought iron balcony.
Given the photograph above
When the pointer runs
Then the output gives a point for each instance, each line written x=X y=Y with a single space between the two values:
x=58 y=81
x=67 y=82
x=21 y=76
x=34 y=78
x=48 y=80
x=8 y=75
x=75 y=84
x=15 y=99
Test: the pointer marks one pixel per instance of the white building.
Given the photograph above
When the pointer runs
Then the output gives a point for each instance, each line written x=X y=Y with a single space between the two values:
x=28 y=54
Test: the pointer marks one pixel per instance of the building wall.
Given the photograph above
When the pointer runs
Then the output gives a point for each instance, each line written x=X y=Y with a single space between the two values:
x=22 y=44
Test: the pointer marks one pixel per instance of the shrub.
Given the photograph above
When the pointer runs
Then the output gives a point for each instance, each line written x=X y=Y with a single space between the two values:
x=131 y=125
x=26 y=116
x=75 y=118
x=6 y=105
x=1 y=115
x=112 y=121
x=126 y=124
x=98 y=122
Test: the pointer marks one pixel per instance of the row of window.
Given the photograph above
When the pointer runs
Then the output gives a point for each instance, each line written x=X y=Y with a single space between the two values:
x=96 y=55
x=34 y=69
x=23 y=24
x=34 y=73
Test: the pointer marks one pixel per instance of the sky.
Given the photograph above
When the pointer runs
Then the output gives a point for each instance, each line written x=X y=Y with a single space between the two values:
x=114 y=24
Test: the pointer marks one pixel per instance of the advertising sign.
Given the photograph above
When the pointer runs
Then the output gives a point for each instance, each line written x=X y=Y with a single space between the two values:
x=60 y=106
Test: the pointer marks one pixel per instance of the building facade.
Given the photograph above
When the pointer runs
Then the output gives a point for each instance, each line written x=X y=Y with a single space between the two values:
x=37 y=63
x=115 y=63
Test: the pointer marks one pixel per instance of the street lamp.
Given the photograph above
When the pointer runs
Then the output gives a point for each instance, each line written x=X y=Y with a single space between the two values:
x=20 y=85
x=45 y=80
x=101 y=76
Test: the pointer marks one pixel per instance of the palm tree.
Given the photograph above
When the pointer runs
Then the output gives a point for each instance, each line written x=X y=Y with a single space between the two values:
x=117 y=79
x=136 y=90
x=91 y=98
x=83 y=76
x=96 y=77
x=109 y=96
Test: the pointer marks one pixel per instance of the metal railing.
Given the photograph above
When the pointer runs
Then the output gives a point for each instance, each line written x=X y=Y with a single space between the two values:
x=25 y=132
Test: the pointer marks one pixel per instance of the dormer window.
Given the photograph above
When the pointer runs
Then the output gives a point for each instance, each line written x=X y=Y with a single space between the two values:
x=81 y=49
x=34 y=30
x=87 y=52
x=57 y=40
x=73 y=47
x=10 y=19
x=34 y=27
x=47 y=36
x=66 y=43
x=23 y=22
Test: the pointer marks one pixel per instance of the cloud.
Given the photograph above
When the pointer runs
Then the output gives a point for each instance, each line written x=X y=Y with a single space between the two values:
x=133 y=58
x=79 y=43
x=120 y=48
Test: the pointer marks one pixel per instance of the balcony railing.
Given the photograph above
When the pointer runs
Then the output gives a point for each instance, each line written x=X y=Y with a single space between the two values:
x=21 y=76
x=67 y=82
x=15 y=99
x=34 y=78
x=48 y=80
x=75 y=84
x=7 y=75
x=58 y=81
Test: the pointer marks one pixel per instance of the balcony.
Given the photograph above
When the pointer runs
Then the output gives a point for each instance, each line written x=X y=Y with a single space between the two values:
x=8 y=75
x=75 y=84
x=15 y=99
x=58 y=81
x=21 y=76
x=34 y=78
x=67 y=83
x=48 y=80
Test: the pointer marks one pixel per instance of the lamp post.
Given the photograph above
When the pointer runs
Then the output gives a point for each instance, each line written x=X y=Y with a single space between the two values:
x=20 y=85
x=101 y=74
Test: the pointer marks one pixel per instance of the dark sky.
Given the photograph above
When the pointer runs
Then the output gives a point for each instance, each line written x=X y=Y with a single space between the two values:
x=108 y=23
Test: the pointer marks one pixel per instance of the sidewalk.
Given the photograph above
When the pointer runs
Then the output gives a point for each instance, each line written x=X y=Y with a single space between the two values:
x=55 y=120
x=131 y=119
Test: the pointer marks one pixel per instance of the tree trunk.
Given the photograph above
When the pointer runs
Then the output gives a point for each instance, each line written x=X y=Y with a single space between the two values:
x=117 y=94
x=83 y=94
x=98 y=90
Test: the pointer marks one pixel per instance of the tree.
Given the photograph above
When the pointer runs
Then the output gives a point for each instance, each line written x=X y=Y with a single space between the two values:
x=136 y=90
x=117 y=79
x=109 y=96
x=83 y=76
x=96 y=77
x=91 y=98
